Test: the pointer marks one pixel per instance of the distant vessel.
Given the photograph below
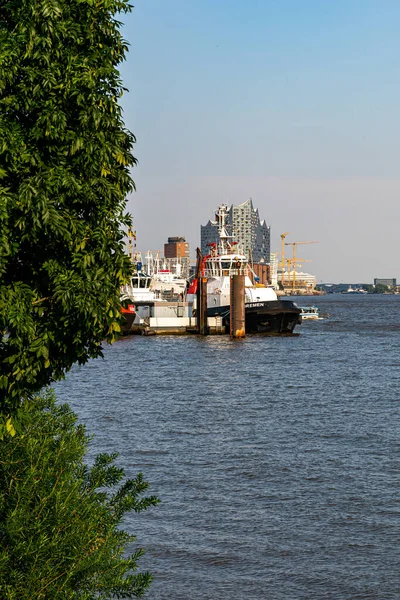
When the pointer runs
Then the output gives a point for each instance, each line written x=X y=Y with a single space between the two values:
x=310 y=313
x=351 y=290
x=264 y=312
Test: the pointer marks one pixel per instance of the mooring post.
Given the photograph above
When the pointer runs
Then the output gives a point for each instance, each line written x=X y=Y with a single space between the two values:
x=237 y=314
x=202 y=322
x=201 y=296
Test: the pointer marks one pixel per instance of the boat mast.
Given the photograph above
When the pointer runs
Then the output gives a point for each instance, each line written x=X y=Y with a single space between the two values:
x=221 y=216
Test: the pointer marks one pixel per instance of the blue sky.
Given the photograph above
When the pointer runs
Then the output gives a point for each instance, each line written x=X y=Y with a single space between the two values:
x=292 y=103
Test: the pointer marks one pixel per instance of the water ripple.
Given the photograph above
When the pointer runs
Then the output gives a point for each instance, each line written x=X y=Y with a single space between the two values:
x=277 y=459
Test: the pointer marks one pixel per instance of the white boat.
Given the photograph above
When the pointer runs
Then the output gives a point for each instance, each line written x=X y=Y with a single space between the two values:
x=310 y=313
x=139 y=289
x=264 y=312
x=158 y=297
x=168 y=286
x=351 y=290
x=153 y=283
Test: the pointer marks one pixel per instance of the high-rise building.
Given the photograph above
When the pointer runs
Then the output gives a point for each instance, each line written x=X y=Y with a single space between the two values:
x=176 y=247
x=177 y=256
x=243 y=222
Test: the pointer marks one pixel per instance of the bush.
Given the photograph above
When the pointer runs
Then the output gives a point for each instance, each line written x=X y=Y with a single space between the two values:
x=60 y=534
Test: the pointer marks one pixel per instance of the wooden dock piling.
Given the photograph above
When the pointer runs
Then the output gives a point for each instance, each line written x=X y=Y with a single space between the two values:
x=237 y=309
x=202 y=325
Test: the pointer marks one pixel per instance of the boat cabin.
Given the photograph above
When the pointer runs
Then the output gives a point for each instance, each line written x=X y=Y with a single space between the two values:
x=225 y=265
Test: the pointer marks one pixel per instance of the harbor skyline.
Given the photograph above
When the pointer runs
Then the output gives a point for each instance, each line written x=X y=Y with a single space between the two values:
x=291 y=104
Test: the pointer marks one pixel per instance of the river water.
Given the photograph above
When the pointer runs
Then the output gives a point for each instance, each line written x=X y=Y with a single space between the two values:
x=276 y=459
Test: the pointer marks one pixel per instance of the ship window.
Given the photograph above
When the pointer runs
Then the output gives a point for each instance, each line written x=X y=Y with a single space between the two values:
x=225 y=265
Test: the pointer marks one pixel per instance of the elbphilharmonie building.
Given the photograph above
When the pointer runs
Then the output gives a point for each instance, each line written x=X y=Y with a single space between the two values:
x=252 y=235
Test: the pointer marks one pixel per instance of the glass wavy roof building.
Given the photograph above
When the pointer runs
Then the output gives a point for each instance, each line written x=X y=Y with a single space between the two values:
x=243 y=223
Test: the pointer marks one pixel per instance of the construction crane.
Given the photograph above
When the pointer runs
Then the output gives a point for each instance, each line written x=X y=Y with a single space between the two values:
x=283 y=235
x=289 y=266
x=294 y=259
x=290 y=262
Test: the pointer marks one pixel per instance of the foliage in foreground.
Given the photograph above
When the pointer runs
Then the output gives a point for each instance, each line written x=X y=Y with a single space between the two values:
x=60 y=520
x=65 y=159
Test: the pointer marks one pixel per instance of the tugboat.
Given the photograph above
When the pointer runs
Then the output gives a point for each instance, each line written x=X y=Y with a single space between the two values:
x=264 y=312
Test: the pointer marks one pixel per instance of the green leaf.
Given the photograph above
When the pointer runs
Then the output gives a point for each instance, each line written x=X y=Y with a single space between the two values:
x=10 y=427
x=65 y=173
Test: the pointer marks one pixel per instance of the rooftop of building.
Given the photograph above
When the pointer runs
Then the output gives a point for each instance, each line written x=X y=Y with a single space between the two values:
x=176 y=239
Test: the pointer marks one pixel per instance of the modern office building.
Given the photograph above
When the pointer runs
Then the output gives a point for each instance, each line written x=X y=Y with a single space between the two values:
x=244 y=226
x=390 y=283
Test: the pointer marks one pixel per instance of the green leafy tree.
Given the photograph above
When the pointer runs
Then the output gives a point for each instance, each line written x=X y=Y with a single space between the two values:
x=60 y=521
x=65 y=159
x=381 y=289
x=368 y=288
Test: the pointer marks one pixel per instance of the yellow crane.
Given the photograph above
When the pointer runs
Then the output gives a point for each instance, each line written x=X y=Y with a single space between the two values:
x=289 y=266
x=290 y=262
x=294 y=259
x=283 y=235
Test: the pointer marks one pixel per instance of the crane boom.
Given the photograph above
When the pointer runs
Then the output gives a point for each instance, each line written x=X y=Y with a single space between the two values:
x=294 y=259
x=283 y=235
